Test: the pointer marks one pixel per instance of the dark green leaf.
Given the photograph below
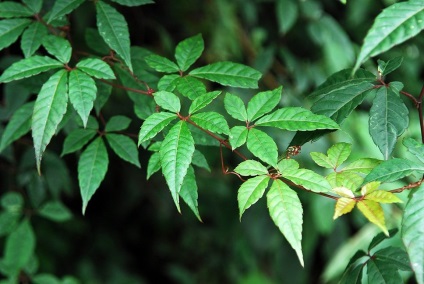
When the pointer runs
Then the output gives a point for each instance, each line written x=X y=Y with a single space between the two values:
x=46 y=279
x=382 y=272
x=416 y=148
x=154 y=124
x=58 y=47
x=82 y=93
x=352 y=275
x=381 y=237
x=190 y=87
x=49 y=109
x=393 y=169
x=9 y=9
x=211 y=121
x=63 y=7
x=12 y=202
x=55 y=211
x=202 y=101
x=32 y=38
x=92 y=168
x=263 y=103
x=168 y=101
x=251 y=191
x=95 y=41
x=200 y=160
x=117 y=123
x=96 y=68
x=395 y=256
x=238 y=136
x=10 y=30
x=8 y=222
x=77 y=139
x=188 y=51
x=229 y=74
x=132 y=3
x=113 y=29
x=189 y=193
x=262 y=146
x=235 y=107
x=124 y=147
x=287 y=13
x=34 y=5
x=385 y=68
x=103 y=93
x=161 y=64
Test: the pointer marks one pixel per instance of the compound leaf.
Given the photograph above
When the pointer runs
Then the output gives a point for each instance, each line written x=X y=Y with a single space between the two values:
x=82 y=93
x=188 y=51
x=124 y=147
x=251 y=191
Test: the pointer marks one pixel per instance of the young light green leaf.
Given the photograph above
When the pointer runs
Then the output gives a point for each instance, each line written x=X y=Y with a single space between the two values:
x=286 y=211
x=9 y=9
x=338 y=153
x=211 y=121
x=413 y=232
x=238 y=136
x=262 y=146
x=416 y=148
x=374 y=213
x=168 y=101
x=383 y=197
x=235 y=107
x=153 y=165
x=161 y=64
x=34 y=5
x=229 y=74
x=296 y=119
x=363 y=165
x=124 y=147
x=189 y=193
x=10 y=30
x=190 y=87
x=344 y=205
x=307 y=179
x=82 y=93
x=55 y=211
x=154 y=124
x=343 y=192
x=385 y=68
x=19 y=247
x=322 y=160
x=132 y=3
x=58 y=47
x=188 y=51
x=202 y=101
x=370 y=187
x=176 y=153
x=251 y=191
x=382 y=272
x=19 y=125
x=251 y=168
x=388 y=120
x=393 y=169
x=29 y=67
x=49 y=109
x=113 y=29
x=92 y=168
x=263 y=103
x=32 y=38
x=96 y=68
x=117 y=123
x=350 y=180
x=200 y=160
x=77 y=139
x=63 y=7
x=393 y=25
x=169 y=82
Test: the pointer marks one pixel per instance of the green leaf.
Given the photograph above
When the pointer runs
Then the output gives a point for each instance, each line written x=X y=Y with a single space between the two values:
x=190 y=87
x=307 y=179
x=19 y=125
x=393 y=169
x=352 y=275
x=49 y=109
x=169 y=82
x=19 y=247
x=113 y=29
x=370 y=187
x=176 y=153
x=343 y=192
x=211 y=121
x=388 y=119
x=189 y=193
x=235 y=107
x=77 y=139
x=374 y=213
x=188 y=51
x=385 y=68
x=103 y=93
x=92 y=168
x=12 y=202
x=10 y=30
x=238 y=136
x=153 y=165
x=124 y=147
x=380 y=237
x=251 y=191
x=9 y=9
x=229 y=74
x=8 y=222
x=287 y=165
x=262 y=146
x=32 y=38
x=202 y=101
x=29 y=67
x=34 y=5
x=95 y=42
x=338 y=153
x=117 y=123
x=251 y=168
x=286 y=211
x=45 y=278
x=392 y=26
x=58 y=47
x=132 y=3
x=161 y=64
x=350 y=180
x=322 y=160
x=154 y=124
x=96 y=68
x=416 y=148
x=287 y=13
x=363 y=165
x=382 y=272
x=344 y=205
x=383 y=197
x=296 y=119
x=82 y=93
x=63 y=7
x=200 y=160
x=395 y=256
x=168 y=101
x=263 y=103
x=55 y=211
x=413 y=232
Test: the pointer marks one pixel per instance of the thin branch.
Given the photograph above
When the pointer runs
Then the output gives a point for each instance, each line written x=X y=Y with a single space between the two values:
x=126 y=88
x=407 y=187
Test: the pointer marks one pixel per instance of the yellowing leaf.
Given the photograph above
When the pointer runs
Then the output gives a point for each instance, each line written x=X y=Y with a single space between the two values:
x=344 y=205
x=344 y=192
x=374 y=213
x=370 y=187
x=383 y=197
